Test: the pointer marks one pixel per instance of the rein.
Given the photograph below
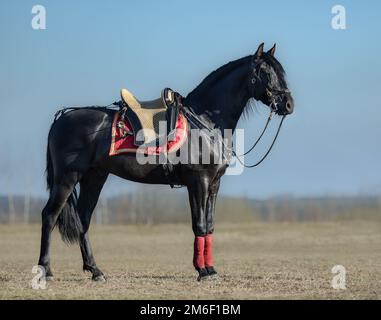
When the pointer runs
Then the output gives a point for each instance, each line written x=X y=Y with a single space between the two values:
x=194 y=118
x=259 y=138
x=256 y=142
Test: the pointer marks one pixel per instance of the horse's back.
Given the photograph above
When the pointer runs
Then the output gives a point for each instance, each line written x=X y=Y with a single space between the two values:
x=80 y=137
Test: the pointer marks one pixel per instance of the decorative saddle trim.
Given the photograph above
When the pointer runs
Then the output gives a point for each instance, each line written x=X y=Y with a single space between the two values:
x=122 y=141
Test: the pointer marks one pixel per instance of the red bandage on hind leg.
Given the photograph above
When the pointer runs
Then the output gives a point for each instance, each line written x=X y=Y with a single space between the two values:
x=198 y=254
x=208 y=252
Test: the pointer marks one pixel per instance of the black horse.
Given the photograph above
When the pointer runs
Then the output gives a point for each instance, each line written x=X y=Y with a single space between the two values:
x=79 y=142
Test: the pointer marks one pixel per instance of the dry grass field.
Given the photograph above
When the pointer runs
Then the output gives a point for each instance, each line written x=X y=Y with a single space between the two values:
x=255 y=261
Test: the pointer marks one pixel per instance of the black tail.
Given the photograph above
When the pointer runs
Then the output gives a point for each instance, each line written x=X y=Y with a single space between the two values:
x=69 y=223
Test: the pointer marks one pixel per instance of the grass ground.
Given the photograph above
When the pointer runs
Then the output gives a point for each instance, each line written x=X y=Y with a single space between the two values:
x=255 y=261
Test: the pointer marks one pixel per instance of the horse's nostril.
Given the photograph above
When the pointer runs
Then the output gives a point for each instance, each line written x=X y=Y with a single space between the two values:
x=289 y=106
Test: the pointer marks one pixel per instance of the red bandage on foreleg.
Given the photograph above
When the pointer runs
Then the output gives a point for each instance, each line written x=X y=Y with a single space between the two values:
x=198 y=254
x=208 y=252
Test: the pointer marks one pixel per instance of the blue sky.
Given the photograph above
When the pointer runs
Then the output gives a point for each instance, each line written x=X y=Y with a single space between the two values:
x=91 y=49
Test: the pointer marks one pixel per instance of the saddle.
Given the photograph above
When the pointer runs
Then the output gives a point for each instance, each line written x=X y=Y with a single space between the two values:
x=145 y=116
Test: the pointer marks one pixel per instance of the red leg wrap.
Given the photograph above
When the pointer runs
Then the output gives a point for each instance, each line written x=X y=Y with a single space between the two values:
x=208 y=252
x=198 y=255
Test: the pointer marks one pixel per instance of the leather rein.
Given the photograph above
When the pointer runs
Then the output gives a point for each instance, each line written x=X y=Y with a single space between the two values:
x=196 y=121
x=257 y=141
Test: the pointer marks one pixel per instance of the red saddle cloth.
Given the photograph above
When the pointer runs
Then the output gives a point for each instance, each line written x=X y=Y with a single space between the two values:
x=122 y=143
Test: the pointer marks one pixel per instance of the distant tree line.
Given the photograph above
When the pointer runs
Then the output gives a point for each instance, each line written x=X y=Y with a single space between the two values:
x=152 y=205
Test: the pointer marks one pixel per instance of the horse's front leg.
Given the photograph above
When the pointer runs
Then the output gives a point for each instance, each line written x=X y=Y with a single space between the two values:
x=198 y=197
x=210 y=210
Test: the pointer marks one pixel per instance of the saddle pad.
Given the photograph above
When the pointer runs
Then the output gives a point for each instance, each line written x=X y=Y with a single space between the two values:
x=122 y=143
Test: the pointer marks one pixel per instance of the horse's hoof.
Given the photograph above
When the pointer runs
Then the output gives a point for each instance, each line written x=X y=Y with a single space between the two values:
x=49 y=278
x=212 y=272
x=203 y=278
x=99 y=278
x=202 y=275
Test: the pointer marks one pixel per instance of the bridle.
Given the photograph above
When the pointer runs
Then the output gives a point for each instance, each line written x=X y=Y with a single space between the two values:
x=271 y=92
x=195 y=120
x=273 y=108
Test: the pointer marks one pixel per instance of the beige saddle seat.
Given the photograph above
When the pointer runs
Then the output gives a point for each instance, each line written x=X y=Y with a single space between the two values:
x=148 y=113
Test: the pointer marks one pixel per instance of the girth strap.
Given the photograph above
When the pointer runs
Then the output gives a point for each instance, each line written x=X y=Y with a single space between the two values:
x=169 y=174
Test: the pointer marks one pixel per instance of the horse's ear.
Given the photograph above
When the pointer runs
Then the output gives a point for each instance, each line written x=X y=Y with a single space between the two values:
x=272 y=50
x=259 y=52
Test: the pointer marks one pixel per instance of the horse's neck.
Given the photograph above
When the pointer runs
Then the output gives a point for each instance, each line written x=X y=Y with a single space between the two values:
x=221 y=102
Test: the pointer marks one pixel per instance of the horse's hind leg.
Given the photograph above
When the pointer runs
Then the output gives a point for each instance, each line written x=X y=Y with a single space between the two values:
x=90 y=186
x=59 y=194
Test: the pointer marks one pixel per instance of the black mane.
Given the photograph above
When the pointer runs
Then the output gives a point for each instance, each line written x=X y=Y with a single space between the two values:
x=217 y=74
x=275 y=64
x=220 y=72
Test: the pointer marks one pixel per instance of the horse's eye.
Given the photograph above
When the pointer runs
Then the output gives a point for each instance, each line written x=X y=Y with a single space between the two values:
x=269 y=94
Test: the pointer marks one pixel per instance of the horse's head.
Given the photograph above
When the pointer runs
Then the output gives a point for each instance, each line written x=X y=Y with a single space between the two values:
x=268 y=83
